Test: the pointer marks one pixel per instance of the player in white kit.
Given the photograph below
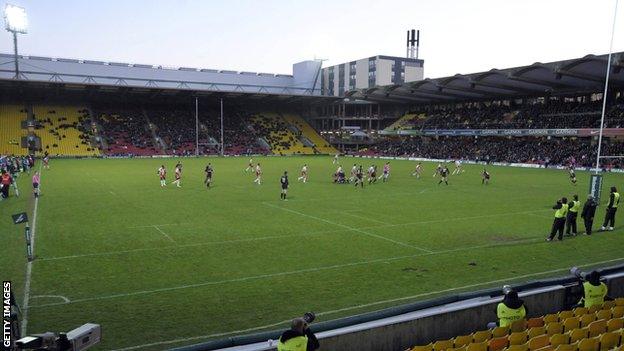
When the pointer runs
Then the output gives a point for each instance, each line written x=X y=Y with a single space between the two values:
x=304 y=173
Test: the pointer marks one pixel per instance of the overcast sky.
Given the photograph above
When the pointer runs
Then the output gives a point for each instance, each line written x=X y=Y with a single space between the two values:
x=457 y=36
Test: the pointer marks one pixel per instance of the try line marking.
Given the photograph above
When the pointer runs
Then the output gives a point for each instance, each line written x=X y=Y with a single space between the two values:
x=29 y=263
x=347 y=227
x=287 y=273
x=201 y=337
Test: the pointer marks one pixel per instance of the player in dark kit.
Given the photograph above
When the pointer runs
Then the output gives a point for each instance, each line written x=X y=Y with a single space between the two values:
x=485 y=177
x=444 y=172
x=284 y=183
x=208 y=172
x=572 y=175
x=359 y=177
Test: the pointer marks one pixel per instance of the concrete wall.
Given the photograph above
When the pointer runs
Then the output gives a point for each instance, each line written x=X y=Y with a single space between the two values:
x=413 y=72
x=361 y=74
x=384 y=72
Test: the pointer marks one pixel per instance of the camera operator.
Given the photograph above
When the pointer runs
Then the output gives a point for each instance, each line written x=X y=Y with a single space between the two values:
x=594 y=291
x=511 y=309
x=299 y=337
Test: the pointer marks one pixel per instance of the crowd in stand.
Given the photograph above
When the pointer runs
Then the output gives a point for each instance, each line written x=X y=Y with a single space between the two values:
x=555 y=114
x=542 y=151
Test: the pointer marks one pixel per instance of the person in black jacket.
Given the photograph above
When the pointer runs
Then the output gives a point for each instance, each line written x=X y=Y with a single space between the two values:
x=589 y=210
x=299 y=330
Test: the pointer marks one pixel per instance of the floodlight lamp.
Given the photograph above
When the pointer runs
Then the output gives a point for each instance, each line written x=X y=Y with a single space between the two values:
x=15 y=19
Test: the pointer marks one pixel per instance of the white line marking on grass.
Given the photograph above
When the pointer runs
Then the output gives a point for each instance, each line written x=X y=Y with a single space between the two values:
x=348 y=227
x=266 y=237
x=163 y=233
x=200 y=337
x=299 y=271
x=537 y=215
x=65 y=299
x=29 y=263
x=362 y=217
x=112 y=193
x=158 y=225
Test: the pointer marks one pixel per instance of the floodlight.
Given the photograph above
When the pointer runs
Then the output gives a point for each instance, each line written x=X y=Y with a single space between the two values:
x=15 y=19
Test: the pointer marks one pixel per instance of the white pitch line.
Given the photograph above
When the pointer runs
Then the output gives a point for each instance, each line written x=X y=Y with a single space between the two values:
x=348 y=227
x=163 y=233
x=362 y=217
x=159 y=225
x=268 y=237
x=65 y=299
x=286 y=273
x=29 y=263
x=201 y=337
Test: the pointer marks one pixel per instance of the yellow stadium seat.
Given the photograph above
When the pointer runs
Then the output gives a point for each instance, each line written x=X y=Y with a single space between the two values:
x=571 y=323
x=523 y=347
x=499 y=332
x=535 y=322
x=538 y=342
x=518 y=338
x=477 y=346
x=607 y=305
x=549 y=318
x=617 y=312
x=428 y=347
x=533 y=332
x=554 y=328
x=518 y=326
x=609 y=340
x=619 y=301
x=442 y=345
x=496 y=344
x=462 y=340
x=567 y=347
x=559 y=339
x=463 y=348
x=589 y=344
x=567 y=314
x=587 y=319
x=597 y=327
x=578 y=334
x=481 y=336
x=547 y=348
x=594 y=309
x=603 y=314
x=615 y=324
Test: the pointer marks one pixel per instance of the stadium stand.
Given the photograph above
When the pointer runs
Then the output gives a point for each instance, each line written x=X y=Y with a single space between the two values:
x=407 y=121
x=279 y=135
x=125 y=133
x=11 y=132
x=320 y=145
x=62 y=131
x=581 y=329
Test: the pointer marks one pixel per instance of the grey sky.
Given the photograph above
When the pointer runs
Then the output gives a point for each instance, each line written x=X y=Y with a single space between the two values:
x=268 y=36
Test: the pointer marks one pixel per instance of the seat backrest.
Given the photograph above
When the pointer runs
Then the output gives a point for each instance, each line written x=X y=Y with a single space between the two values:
x=617 y=312
x=499 y=332
x=538 y=342
x=597 y=327
x=565 y=315
x=554 y=328
x=482 y=335
x=549 y=318
x=442 y=345
x=428 y=347
x=496 y=344
x=609 y=340
x=536 y=322
x=566 y=347
x=477 y=346
x=518 y=338
x=462 y=340
x=586 y=319
x=523 y=347
x=603 y=314
x=589 y=344
x=615 y=324
x=578 y=334
x=533 y=332
x=579 y=311
x=558 y=339
x=607 y=305
x=519 y=325
x=571 y=323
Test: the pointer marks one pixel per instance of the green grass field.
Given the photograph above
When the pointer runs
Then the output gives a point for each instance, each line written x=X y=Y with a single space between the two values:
x=154 y=265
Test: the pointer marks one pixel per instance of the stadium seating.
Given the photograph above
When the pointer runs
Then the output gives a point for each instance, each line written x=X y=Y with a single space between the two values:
x=126 y=133
x=11 y=130
x=280 y=137
x=321 y=145
x=407 y=121
x=60 y=130
x=580 y=329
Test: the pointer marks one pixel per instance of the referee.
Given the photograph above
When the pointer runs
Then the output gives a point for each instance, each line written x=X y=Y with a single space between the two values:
x=284 y=183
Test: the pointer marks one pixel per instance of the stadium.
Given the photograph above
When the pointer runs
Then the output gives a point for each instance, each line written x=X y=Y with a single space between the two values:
x=355 y=205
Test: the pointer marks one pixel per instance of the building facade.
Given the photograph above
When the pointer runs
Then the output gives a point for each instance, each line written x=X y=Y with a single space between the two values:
x=370 y=72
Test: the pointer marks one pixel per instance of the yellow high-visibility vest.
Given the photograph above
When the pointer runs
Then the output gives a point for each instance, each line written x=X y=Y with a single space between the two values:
x=299 y=343
x=575 y=207
x=507 y=315
x=594 y=295
x=561 y=213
